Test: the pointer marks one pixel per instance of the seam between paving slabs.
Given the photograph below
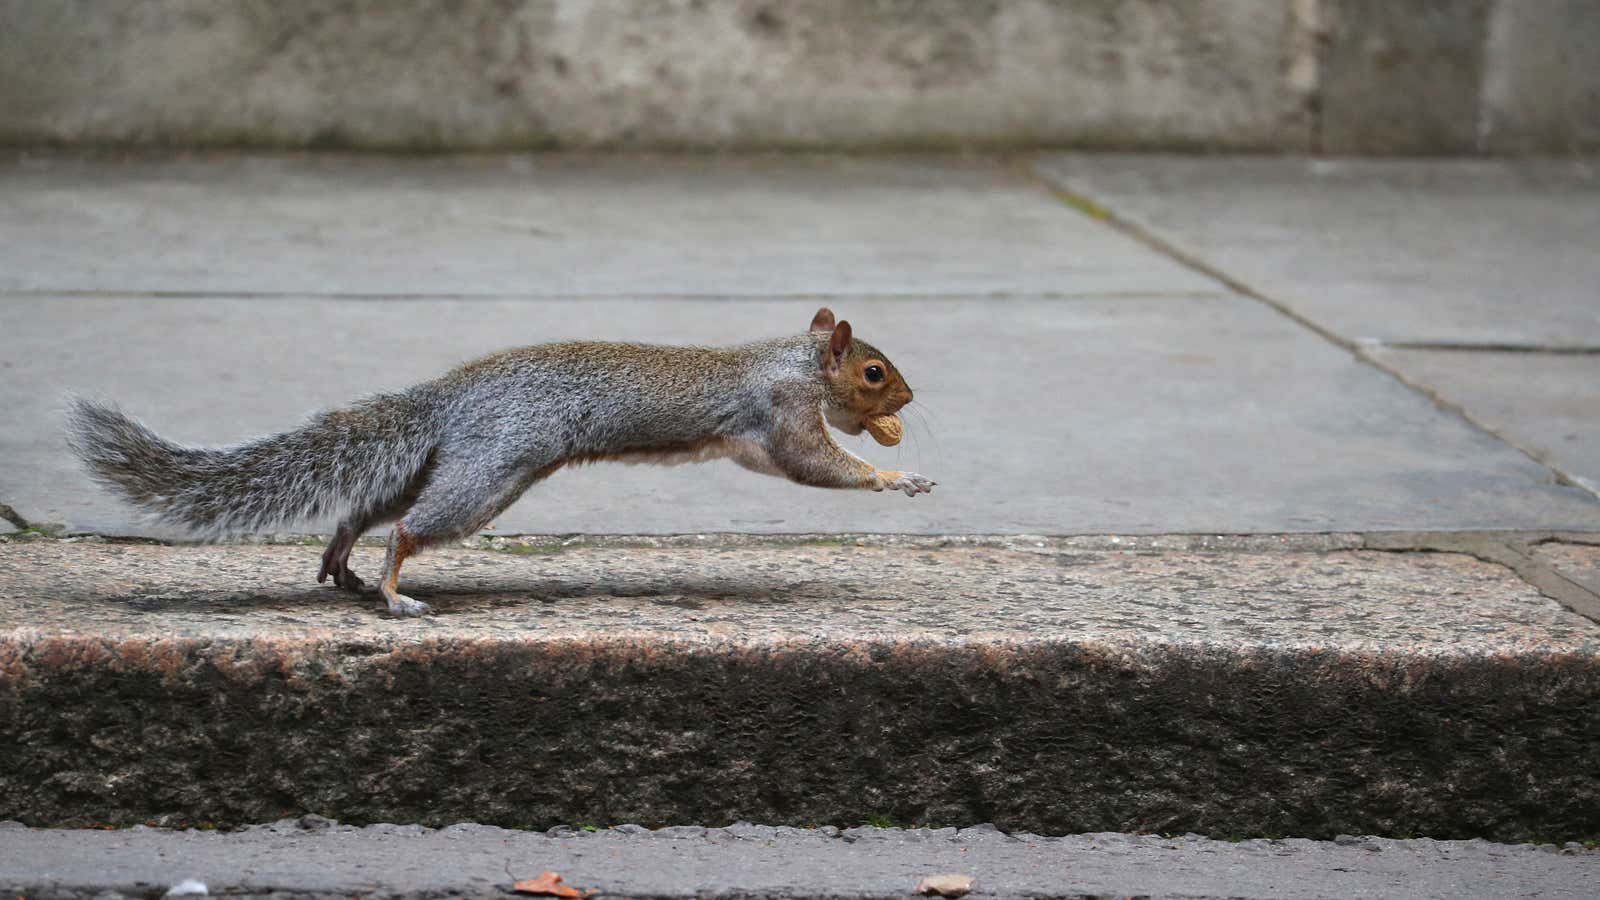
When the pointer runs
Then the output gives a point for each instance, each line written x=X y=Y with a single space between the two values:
x=14 y=517
x=1511 y=549
x=1104 y=215
x=1535 y=349
x=534 y=297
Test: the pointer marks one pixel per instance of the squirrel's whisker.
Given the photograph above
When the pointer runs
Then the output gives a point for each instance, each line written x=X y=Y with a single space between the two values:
x=922 y=414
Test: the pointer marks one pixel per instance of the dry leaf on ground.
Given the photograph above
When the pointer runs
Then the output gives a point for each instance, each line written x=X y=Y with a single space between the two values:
x=946 y=885
x=548 y=884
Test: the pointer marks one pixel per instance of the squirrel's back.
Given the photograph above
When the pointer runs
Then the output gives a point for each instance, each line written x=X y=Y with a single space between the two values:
x=578 y=400
x=594 y=397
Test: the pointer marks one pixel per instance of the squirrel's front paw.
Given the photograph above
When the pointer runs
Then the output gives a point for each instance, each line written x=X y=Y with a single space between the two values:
x=910 y=482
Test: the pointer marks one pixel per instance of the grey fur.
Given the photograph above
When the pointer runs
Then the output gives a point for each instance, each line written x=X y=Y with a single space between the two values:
x=446 y=456
x=493 y=424
x=357 y=459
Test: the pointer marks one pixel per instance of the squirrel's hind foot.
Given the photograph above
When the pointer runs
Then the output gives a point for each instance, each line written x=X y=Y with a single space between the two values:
x=403 y=606
x=336 y=561
x=342 y=576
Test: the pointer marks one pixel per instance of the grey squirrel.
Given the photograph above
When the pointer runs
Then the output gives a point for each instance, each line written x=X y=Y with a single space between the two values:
x=443 y=458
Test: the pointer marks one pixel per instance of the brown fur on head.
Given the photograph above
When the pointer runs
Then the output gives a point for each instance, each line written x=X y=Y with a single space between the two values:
x=861 y=381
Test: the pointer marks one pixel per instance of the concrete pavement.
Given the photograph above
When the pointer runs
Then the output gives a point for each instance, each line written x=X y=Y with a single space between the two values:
x=317 y=858
x=1095 y=415
x=1074 y=379
x=1456 y=252
x=1547 y=403
x=1474 y=281
x=555 y=225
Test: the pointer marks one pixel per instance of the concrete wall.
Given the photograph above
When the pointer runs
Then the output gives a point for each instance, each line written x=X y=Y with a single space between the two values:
x=1298 y=75
x=1543 y=91
x=1402 y=76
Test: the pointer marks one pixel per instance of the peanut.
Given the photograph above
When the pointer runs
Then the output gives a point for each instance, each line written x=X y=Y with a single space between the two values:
x=886 y=430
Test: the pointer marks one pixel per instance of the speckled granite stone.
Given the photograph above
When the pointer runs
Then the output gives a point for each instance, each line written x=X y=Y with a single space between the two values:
x=1578 y=562
x=1053 y=687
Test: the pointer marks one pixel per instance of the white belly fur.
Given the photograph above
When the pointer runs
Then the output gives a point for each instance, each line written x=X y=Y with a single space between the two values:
x=743 y=451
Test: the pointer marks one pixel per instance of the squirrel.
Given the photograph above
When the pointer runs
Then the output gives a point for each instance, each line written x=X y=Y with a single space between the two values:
x=443 y=458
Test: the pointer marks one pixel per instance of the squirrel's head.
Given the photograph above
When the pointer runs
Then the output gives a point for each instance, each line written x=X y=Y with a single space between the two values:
x=861 y=381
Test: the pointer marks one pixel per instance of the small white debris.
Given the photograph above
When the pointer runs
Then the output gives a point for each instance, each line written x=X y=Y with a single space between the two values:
x=946 y=885
x=188 y=887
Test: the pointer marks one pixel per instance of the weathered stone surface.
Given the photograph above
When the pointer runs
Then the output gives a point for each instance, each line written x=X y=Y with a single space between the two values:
x=1043 y=689
x=431 y=74
x=467 y=859
x=1356 y=76
x=1448 y=251
x=1541 y=87
x=1579 y=562
x=1545 y=403
x=1402 y=77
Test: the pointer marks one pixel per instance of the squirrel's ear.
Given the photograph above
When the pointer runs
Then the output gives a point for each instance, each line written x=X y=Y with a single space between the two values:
x=823 y=320
x=837 y=345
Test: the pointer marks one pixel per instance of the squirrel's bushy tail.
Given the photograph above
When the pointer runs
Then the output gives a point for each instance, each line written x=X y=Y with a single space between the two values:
x=362 y=459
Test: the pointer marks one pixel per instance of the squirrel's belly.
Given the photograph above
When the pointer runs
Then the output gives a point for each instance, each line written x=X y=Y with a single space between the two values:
x=746 y=452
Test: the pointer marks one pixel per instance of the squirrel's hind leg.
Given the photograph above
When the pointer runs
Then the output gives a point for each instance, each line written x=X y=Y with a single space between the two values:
x=401 y=546
x=336 y=559
x=459 y=498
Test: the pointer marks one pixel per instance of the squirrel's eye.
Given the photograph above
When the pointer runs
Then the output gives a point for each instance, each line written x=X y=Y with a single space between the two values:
x=874 y=374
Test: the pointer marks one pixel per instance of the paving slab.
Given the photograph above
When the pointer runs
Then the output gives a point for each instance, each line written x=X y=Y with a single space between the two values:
x=541 y=224
x=1579 y=562
x=318 y=858
x=1442 y=251
x=1546 y=403
x=1046 y=686
x=1110 y=415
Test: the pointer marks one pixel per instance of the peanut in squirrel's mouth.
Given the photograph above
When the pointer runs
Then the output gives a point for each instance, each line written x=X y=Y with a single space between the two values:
x=885 y=428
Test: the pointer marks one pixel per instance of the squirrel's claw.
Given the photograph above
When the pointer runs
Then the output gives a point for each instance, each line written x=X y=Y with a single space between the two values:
x=909 y=482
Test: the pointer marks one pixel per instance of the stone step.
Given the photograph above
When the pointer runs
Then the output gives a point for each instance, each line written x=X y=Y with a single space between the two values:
x=1254 y=686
